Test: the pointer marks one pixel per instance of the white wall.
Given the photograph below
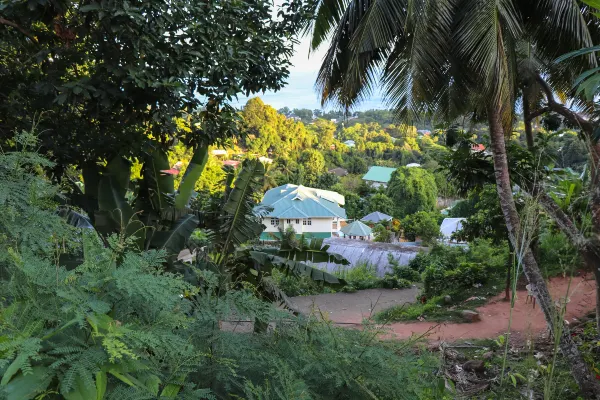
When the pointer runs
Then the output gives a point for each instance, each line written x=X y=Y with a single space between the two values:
x=377 y=184
x=317 y=225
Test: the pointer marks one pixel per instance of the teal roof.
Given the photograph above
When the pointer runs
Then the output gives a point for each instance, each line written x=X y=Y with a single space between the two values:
x=379 y=174
x=307 y=235
x=376 y=217
x=356 y=228
x=293 y=201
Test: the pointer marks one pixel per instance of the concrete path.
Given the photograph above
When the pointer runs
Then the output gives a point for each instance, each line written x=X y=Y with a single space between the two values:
x=352 y=308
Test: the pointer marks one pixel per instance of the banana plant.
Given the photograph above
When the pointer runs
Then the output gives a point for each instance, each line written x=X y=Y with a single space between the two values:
x=156 y=216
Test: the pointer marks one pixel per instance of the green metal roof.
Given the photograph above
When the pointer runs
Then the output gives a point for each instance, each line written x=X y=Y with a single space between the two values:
x=293 y=201
x=356 y=228
x=307 y=235
x=376 y=217
x=379 y=174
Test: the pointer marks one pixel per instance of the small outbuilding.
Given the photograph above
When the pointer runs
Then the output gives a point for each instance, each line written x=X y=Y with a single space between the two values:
x=376 y=217
x=449 y=226
x=357 y=230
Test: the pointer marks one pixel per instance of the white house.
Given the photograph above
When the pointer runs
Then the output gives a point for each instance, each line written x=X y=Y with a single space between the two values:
x=314 y=212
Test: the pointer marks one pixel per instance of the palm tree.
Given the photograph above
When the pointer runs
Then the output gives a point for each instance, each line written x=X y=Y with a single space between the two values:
x=448 y=58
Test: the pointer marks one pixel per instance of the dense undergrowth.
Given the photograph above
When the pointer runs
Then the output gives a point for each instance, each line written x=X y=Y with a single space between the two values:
x=454 y=279
x=358 y=277
x=117 y=325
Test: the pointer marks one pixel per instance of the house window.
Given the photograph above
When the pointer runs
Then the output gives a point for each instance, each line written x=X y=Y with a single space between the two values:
x=334 y=225
x=274 y=221
x=309 y=222
x=297 y=221
x=303 y=222
x=289 y=221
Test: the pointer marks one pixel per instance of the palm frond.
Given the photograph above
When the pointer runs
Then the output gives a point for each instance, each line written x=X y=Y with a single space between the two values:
x=416 y=71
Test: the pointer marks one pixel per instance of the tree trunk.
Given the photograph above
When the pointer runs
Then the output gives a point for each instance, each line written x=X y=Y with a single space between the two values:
x=528 y=128
x=587 y=384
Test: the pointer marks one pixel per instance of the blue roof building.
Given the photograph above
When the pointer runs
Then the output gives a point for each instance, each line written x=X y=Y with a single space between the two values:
x=312 y=212
x=357 y=230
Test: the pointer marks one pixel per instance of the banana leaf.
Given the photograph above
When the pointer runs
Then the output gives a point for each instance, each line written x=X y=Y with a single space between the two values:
x=160 y=185
x=115 y=214
x=296 y=268
x=174 y=240
x=191 y=176
x=239 y=222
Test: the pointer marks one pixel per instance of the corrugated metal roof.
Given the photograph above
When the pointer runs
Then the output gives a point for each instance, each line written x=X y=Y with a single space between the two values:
x=293 y=201
x=375 y=254
x=379 y=174
x=376 y=217
x=356 y=228
x=451 y=225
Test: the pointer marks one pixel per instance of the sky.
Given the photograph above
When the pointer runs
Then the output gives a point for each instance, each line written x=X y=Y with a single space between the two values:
x=300 y=90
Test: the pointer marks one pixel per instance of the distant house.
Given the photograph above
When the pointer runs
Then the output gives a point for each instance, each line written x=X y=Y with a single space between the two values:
x=376 y=217
x=350 y=143
x=378 y=176
x=338 y=171
x=477 y=147
x=449 y=226
x=231 y=163
x=313 y=212
x=219 y=152
x=357 y=230
x=413 y=165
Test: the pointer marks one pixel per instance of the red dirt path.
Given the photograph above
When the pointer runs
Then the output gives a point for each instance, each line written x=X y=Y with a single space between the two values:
x=526 y=320
x=350 y=309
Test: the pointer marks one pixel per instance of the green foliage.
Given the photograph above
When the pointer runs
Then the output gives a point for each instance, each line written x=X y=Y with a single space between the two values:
x=119 y=326
x=557 y=254
x=452 y=269
x=314 y=165
x=412 y=190
x=437 y=280
x=407 y=272
x=421 y=224
x=462 y=209
x=486 y=220
x=380 y=202
x=100 y=69
x=27 y=202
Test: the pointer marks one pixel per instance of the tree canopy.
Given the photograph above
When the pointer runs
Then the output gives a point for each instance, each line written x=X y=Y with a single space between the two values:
x=412 y=190
x=104 y=76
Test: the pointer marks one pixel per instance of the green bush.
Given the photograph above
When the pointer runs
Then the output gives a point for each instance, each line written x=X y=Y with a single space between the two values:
x=393 y=282
x=402 y=271
x=407 y=273
x=361 y=276
x=557 y=254
x=421 y=224
x=434 y=280
x=298 y=285
x=420 y=262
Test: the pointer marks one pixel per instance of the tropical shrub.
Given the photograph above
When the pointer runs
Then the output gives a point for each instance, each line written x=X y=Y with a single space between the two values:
x=421 y=224
x=404 y=272
x=412 y=190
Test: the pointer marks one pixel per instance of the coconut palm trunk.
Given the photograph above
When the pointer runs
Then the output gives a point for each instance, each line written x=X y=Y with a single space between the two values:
x=579 y=369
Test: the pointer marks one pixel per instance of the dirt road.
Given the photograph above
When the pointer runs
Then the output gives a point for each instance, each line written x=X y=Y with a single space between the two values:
x=352 y=308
